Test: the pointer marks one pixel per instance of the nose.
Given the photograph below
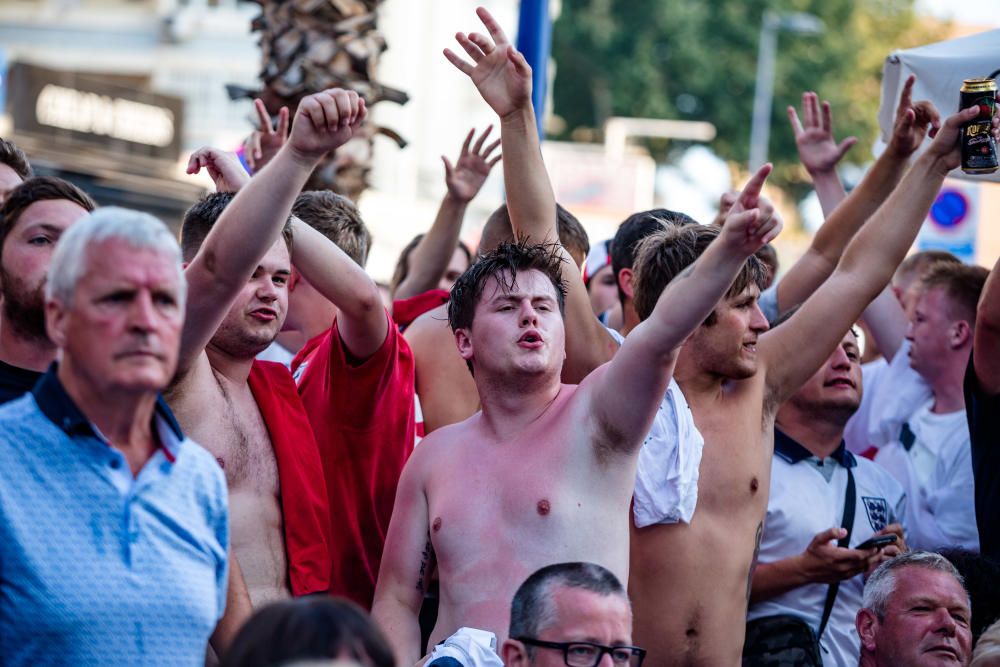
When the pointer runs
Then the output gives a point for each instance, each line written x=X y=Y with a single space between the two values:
x=909 y=331
x=946 y=625
x=529 y=316
x=142 y=314
x=840 y=361
x=266 y=289
x=758 y=322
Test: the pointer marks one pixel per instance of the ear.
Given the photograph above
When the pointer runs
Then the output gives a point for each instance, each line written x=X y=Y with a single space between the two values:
x=184 y=265
x=514 y=653
x=463 y=340
x=55 y=322
x=961 y=334
x=625 y=283
x=293 y=280
x=867 y=625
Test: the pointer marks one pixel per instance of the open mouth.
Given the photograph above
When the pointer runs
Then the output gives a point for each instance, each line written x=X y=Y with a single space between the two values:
x=841 y=382
x=530 y=339
x=264 y=314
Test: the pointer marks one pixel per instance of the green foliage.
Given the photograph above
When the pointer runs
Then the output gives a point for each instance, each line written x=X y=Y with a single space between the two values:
x=697 y=59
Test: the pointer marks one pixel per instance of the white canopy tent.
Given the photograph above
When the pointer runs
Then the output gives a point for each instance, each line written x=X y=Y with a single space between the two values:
x=940 y=69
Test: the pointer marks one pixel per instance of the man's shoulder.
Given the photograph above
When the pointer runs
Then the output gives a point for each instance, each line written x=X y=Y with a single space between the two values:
x=20 y=415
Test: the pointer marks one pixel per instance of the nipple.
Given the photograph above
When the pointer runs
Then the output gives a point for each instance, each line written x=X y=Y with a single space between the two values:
x=753 y=485
x=437 y=524
x=544 y=507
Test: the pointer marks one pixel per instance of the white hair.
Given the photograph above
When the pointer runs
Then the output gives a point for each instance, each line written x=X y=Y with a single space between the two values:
x=139 y=230
x=882 y=582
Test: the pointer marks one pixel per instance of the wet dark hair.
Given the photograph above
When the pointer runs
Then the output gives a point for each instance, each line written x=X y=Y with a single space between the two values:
x=36 y=189
x=665 y=254
x=507 y=258
x=307 y=628
x=634 y=230
x=200 y=218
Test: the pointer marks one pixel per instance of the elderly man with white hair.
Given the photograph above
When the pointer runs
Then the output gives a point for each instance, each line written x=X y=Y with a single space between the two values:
x=113 y=525
x=916 y=613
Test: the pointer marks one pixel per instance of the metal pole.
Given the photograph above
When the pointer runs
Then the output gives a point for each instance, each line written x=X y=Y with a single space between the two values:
x=534 y=40
x=760 y=127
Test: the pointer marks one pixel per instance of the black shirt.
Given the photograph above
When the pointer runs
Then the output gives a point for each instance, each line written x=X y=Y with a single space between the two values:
x=15 y=382
x=983 y=413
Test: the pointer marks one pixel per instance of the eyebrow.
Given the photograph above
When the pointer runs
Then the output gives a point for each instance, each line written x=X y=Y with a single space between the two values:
x=44 y=226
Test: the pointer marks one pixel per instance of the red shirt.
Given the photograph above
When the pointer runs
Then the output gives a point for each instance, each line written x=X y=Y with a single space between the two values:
x=362 y=416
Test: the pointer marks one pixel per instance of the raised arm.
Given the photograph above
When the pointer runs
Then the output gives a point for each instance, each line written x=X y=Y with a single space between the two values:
x=264 y=142
x=865 y=269
x=913 y=120
x=819 y=152
x=503 y=78
x=252 y=222
x=624 y=395
x=361 y=318
x=407 y=563
x=887 y=322
x=987 y=338
x=429 y=260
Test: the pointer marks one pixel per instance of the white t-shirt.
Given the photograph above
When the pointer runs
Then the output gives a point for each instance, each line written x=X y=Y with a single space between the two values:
x=803 y=503
x=936 y=471
x=666 y=476
x=892 y=392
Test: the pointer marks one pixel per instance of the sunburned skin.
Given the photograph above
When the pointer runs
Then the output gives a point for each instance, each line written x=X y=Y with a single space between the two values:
x=225 y=419
x=499 y=510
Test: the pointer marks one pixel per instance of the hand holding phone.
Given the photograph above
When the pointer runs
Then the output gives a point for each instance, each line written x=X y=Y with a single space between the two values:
x=877 y=542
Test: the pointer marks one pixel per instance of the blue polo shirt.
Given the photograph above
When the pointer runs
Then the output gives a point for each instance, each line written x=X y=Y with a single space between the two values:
x=98 y=567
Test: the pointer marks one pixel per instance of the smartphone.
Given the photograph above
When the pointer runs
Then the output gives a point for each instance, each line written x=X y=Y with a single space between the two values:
x=878 y=542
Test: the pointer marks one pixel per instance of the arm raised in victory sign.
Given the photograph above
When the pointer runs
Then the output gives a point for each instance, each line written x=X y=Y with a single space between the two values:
x=624 y=395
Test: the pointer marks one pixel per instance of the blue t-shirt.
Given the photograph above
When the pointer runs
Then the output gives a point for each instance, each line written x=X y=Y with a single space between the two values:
x=98 y=567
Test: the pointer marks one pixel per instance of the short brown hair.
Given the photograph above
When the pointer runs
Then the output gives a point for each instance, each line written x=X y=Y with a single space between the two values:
x=36 y=189
x=338 y=219
x=14 y=157
x=200 y=218
x=665 y=254
x=572 y=235
x=917 y=264
x=962 y=285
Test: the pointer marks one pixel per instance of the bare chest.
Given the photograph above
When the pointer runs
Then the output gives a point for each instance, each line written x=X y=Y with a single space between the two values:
x=226 y=421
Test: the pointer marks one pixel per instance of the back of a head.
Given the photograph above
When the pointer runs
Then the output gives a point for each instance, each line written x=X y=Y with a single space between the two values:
x=914 y=266
x=308 y=628
x=532 y=609
x=36 y=189
x=634 y=230
x=14 y=157
x=881 y=583
x=962 y=285
x=338 y=219
x=980 y=574
x=139 y=230
x=663 y=255
x=572 y=235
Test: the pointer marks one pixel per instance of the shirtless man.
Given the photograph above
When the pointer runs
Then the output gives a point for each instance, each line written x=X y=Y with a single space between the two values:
x=544 y=472
x=689 y=582
x=238 y=286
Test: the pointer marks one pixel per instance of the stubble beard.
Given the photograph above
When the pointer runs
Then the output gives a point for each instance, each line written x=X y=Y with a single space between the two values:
x=24 y=309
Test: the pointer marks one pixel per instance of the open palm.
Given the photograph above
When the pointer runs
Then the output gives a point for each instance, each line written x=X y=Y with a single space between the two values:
x=500 y=72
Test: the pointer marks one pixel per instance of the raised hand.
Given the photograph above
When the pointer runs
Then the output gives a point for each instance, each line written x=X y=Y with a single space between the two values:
x=500 y=72
x=264 y=142
x=224 y=168
x=466 y=177
x=326 y=121
x=751 y=222
x=914 y=121
x=945 y=149
x=818 y=150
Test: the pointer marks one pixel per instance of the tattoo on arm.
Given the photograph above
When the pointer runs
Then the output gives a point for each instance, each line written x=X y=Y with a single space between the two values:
x=425 y=561
x=753 y=563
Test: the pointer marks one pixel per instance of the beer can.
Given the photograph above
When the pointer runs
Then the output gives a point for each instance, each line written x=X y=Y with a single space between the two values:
x=979 y=150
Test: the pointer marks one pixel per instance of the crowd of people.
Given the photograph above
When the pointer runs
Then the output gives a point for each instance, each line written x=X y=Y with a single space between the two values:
x=231 y=449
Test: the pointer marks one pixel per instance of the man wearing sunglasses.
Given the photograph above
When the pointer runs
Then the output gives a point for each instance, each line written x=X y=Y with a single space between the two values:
x=572 y=614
